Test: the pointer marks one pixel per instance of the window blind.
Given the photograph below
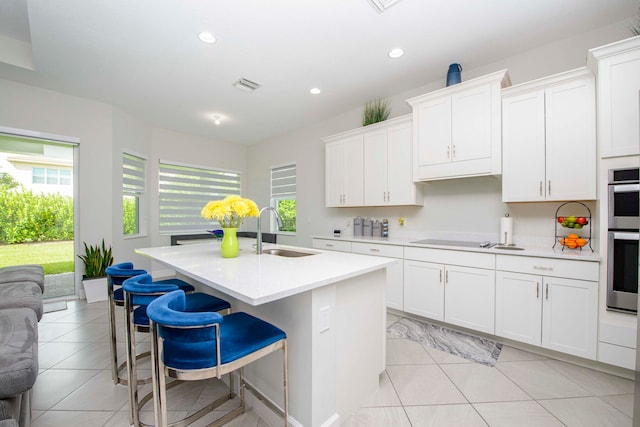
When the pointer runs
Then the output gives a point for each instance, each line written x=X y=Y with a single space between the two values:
x=283 y=182
x=133 y=174
x=184 y=190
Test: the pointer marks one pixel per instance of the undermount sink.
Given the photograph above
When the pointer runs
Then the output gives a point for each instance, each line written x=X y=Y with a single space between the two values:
x=286 y=253
x=508 y=248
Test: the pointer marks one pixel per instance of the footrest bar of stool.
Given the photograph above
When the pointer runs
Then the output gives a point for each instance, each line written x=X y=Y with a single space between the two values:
x=201 y=412
x=123 y=366
x=262 y=398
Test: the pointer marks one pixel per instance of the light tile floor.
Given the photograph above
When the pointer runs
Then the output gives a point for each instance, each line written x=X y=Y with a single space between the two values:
x=421 y=386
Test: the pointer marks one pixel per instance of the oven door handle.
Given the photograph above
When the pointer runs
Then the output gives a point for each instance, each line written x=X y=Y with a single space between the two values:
x=626 y=188
x=621 y=235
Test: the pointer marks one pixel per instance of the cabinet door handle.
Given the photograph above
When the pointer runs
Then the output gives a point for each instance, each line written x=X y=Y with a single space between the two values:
x=537 y=290
x=549 y=187
x=540 y=188
x=446 y=277
x=388 y=196
x=547 y=292
x=448 y=151
x=454 y=151
x=440 y=276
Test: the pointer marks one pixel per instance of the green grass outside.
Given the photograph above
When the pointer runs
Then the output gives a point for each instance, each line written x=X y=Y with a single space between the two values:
x=55 y=257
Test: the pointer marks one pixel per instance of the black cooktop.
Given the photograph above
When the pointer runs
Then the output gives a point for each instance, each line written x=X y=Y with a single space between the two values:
x=461 y=243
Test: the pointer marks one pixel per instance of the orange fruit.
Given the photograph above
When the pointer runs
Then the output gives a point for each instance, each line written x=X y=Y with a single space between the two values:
x=581 y=242
x=562 y=241
x=572 y=236
x=572 y=244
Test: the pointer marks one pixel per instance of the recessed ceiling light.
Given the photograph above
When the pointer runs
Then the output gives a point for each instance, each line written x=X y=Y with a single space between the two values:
x=207 y=37
x=216 y=119
x=396 y=53
x=315 y=91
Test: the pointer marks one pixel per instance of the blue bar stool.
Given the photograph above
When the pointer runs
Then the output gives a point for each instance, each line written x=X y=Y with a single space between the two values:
x=190 y=346
x=139 y=291
x=116 y=275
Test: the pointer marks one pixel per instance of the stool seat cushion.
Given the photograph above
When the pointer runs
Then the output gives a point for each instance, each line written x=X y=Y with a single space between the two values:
x=183 y=348
x=18 y=351
x=22 y=295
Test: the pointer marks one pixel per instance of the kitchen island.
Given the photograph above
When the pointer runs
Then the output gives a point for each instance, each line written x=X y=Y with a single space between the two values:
x=330 y=304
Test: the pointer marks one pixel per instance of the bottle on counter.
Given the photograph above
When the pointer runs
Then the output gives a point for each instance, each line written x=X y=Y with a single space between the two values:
x=384 y=230
x=376 y=228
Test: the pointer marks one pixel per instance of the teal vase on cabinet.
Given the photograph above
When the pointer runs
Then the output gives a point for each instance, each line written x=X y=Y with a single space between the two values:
x=229 y=247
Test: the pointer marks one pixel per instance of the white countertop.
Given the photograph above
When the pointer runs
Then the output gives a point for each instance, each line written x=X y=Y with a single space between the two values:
x=258 y=279
x=536 y=251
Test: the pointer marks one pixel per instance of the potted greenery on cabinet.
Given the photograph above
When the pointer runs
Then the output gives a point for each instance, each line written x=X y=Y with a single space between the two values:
x=96 y=260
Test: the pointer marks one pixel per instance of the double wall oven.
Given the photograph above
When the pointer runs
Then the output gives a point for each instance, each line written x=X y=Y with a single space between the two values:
x=623 y=240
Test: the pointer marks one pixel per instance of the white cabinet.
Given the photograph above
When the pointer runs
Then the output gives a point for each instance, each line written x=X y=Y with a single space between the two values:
x=344 y=172
x=549 y=139
x=372 y=166
x=395 y=276
x=457 y=130
x=436 y=288
x=388 y=177
x=558 y=313
x=617 y=67
x=424 y=289
x=469 y=298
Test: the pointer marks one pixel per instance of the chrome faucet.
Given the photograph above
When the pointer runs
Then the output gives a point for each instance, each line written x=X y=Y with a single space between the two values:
x=259 y=236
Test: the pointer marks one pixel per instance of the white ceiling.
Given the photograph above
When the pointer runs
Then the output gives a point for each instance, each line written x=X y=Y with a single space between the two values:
x=144 y=55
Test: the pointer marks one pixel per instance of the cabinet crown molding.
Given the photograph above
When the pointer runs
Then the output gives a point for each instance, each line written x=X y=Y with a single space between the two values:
x=501 y=77
x=549 y=81
x=373 y=127
x=611 y=49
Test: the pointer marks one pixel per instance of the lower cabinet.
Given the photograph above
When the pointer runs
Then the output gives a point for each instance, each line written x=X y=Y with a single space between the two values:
x=462 y=296
x=553 y=312
x=469 y=298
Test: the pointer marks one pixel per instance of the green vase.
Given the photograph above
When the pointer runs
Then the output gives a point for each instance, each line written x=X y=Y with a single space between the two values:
x=230 y=246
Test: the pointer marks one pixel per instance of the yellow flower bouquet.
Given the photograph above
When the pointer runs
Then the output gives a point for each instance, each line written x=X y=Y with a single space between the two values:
x=230 y=211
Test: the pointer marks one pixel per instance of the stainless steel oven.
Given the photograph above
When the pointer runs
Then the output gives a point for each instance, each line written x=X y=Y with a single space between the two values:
x=623 y=240
x=624 y=203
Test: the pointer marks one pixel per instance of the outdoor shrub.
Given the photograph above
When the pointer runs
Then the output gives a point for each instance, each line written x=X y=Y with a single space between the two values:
x=29 y=217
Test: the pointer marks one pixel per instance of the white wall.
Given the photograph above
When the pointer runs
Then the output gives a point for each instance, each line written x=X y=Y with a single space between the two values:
x=471 y=205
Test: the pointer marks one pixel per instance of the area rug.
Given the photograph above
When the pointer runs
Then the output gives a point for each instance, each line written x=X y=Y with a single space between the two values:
x=480 y=350
x=50 y=307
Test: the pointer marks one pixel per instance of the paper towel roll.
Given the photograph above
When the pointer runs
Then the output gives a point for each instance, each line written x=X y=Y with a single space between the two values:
x=506 y=230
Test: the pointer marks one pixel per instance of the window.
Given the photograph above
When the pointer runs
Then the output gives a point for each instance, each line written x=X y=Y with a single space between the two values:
x=184 y=190
x=51 y=176
x=283 y=195
x=133 y=191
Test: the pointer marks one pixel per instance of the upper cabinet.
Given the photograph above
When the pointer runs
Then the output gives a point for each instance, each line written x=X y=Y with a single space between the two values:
x=617 y=67
x=549 y=139
x=457 y=130
x=379 y=161
x=344 y=172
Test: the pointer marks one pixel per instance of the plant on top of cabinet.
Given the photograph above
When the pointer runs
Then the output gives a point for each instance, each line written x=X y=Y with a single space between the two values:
x=457 y=130
x=376 y=111
x=549 y=139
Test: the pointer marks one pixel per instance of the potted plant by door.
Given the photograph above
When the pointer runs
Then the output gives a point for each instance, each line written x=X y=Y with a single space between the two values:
x=96 y=260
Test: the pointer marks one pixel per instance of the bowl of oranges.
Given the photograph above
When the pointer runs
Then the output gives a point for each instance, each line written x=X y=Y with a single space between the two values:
x=573 y=241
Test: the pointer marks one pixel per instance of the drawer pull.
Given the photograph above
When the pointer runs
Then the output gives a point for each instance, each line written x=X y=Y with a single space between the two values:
x=537 y=290
x=539 y=267
x=374 y=250
x=547 y=291
x=329 y=245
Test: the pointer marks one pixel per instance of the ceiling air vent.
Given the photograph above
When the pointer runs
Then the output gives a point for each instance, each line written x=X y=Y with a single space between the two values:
x=382 y=5
x=246 y=85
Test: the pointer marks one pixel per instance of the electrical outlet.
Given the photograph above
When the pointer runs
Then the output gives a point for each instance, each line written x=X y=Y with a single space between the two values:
x=324 y=319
